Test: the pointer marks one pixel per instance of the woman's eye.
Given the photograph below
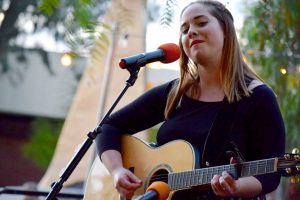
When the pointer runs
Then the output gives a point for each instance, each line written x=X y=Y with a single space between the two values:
x=184 y=31
x=202 y=23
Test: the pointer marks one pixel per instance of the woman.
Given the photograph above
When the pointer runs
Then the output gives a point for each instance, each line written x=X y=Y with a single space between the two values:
x=218 y=104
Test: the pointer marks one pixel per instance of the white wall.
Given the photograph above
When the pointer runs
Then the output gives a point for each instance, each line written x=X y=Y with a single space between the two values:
x=28 y=88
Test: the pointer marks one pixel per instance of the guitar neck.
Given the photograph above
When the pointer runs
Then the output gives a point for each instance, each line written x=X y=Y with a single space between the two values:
x=197 y=177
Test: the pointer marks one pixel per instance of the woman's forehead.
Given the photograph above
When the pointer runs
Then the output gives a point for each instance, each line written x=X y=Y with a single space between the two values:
x=194 y=10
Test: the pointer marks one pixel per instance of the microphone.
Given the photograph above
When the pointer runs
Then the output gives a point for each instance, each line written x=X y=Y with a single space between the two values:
x=166 y=53
x=158 y=190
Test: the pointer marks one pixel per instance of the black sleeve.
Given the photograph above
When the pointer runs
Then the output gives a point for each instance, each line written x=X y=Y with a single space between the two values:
x=144 y=112
x=268 y=139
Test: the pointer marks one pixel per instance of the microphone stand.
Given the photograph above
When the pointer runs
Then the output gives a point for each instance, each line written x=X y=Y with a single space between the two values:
x=57 y=186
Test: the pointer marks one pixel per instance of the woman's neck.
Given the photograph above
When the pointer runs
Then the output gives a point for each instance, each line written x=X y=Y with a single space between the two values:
x=209 y=76
x=210 y=86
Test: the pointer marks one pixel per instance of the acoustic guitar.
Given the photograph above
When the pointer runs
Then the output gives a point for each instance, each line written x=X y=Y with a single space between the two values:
x=175 y=164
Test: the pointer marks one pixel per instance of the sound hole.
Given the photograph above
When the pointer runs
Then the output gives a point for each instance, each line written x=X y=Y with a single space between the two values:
x=159 y=175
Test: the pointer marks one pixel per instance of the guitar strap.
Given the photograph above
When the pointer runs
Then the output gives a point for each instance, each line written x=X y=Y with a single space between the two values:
x=219 y=138
x=219 y=135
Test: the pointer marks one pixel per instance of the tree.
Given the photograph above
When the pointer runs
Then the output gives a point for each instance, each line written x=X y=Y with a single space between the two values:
x=272 y=34
x=68 y=19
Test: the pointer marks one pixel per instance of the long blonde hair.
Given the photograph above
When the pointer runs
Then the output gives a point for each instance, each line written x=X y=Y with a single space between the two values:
x=233 y=69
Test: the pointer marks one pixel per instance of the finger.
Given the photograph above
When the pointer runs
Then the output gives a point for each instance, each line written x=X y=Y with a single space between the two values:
x=225 y=186
x=134 y=179
x=227 y=189
x=126 y=185
x=216 y=186
x=228 y=178
x=230 y=181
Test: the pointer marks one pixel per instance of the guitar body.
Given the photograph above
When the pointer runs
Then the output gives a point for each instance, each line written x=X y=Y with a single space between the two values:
x=145 y=162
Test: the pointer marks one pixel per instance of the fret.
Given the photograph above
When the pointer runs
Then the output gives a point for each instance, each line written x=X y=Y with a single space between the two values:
x=266 y=166
x=182 y=180
x=214 y=171
x=249 y=171
x=254 y=168
x=178 y=180
x=242 y=171
x=205 y=175
x=209 y=172
x=190 y=178
x=224 y=168
x=175 y=180
x=195 y=177
x=170 y=180
x=178 y=177
x=200 y=173
x=184 y=177
x=261 y=165
x=187 y=181
x=245 y=170
x=271 y=165
x=258 y=167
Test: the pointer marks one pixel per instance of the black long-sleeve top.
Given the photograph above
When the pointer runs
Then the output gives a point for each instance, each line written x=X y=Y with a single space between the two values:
x=254 y=125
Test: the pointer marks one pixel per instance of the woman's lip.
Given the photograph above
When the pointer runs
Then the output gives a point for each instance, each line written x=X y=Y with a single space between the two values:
x=196 y=42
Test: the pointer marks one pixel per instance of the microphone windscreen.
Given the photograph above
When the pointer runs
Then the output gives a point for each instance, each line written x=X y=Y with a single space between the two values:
x=162 y=189
x=172 y=52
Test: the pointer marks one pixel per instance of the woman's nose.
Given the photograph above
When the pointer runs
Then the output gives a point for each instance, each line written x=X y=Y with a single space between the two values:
x=192 y=32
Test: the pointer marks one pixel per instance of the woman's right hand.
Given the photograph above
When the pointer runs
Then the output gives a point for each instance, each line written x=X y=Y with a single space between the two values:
x=125 y=182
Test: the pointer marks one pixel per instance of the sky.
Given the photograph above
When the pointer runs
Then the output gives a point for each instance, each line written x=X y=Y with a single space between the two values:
x=157 y=35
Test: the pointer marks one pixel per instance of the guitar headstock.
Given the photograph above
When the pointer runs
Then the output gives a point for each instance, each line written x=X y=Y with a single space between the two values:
x=289 y=165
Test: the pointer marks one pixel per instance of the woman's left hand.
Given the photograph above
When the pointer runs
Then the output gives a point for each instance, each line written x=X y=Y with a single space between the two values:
x=224 y=185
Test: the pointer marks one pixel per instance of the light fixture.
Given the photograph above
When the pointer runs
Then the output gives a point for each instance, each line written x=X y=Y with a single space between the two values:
x=283 y=70
x=66 y=59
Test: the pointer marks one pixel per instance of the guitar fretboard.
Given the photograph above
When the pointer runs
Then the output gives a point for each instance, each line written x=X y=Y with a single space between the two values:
x=197 y=177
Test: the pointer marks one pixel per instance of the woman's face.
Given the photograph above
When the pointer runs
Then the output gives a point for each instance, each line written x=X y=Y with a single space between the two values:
x=202 y=36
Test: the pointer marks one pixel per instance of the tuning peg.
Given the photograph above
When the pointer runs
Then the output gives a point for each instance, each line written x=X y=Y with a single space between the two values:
x=293 y=179
x=288 y=170
x=297 y=178
x=295 y=151
x=287 y=156
x=298 y=168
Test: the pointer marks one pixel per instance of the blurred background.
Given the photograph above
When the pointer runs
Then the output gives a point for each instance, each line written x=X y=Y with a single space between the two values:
x=59 y=75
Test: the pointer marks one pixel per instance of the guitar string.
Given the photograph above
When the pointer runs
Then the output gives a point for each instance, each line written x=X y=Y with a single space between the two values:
x=260 y=166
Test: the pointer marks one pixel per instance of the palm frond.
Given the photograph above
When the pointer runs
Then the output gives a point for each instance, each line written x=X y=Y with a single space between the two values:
x=168 y=13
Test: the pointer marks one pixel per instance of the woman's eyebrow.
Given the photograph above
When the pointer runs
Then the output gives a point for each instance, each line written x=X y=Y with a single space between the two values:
x=195 y=18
